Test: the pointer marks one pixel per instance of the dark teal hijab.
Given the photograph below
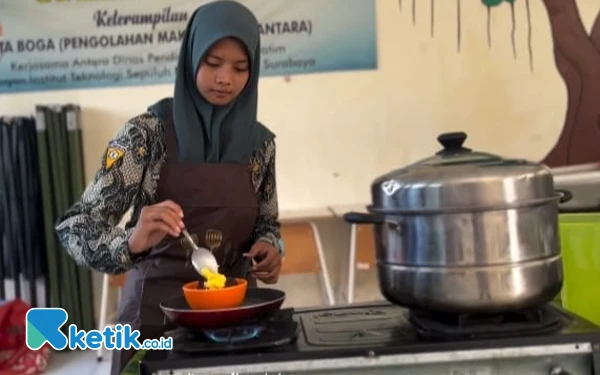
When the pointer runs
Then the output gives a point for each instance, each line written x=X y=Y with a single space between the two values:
x=207 y=133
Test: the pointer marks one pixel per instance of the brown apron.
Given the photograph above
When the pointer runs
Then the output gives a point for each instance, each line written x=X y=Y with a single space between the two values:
x=219 y=205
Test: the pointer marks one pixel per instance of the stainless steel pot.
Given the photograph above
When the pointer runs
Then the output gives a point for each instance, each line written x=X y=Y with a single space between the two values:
x=466 y=231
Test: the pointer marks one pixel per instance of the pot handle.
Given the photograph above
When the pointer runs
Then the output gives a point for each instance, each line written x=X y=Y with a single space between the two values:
x=363 y=218
x=565 y=196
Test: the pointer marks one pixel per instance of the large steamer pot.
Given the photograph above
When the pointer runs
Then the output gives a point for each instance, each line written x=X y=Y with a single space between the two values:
x=466 y=232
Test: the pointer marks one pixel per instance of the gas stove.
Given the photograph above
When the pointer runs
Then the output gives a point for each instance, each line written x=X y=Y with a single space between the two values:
x=385 y=339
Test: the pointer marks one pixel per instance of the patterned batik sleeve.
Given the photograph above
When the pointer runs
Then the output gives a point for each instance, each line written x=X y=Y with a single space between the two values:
x=267 y=227
x=89 y=229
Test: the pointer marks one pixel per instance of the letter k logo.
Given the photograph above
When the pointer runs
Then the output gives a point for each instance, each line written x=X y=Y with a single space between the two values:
x=43 y=326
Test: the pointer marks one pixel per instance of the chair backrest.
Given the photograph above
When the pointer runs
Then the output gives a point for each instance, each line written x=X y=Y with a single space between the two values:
x=301 y=254
x=365 y=247
x=117 y=281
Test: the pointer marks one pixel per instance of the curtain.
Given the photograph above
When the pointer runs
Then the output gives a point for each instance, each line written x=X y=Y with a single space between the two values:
x=62 y=181
x=23 y=262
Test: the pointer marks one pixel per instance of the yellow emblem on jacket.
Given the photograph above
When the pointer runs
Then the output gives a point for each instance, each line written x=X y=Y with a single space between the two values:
x=113 y=155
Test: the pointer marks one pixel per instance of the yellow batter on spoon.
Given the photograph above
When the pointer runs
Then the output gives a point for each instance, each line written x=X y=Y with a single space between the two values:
x=214 y=280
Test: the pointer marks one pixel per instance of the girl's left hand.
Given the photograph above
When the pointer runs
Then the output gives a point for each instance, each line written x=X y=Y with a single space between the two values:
x=268 y=262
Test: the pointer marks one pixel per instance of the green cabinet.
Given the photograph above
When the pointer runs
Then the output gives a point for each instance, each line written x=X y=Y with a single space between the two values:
x=580 y=241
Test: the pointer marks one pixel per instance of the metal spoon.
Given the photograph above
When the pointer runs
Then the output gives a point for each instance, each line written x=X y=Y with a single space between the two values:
x=201 y=258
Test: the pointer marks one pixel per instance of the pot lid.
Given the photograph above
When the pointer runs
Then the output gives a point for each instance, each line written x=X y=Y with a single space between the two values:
x=454 y=153
x=457 y=177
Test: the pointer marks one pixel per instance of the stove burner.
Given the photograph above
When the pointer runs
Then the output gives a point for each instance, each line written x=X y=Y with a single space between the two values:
x=444 y=326
x=233 y=335
x=274 y=330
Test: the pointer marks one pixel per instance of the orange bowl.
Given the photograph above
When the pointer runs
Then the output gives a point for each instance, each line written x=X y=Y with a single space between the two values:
x=213 y=299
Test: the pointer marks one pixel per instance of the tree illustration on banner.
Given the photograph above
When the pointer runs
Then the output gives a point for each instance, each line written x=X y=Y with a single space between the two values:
x=489 y=4
x=414 y=12
x=577 y=58
x=495 y=3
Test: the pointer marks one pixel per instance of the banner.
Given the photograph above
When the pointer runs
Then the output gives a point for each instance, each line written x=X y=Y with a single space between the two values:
x=67 y=44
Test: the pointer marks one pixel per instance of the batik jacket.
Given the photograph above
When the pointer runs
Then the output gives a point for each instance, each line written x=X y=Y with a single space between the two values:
x=90 y=231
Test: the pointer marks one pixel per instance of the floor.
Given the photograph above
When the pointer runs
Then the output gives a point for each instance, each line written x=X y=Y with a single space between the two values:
x=85 y=362
x=78 y=362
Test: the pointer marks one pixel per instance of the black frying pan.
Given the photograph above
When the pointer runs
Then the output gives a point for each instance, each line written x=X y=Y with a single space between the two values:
x=258 y=303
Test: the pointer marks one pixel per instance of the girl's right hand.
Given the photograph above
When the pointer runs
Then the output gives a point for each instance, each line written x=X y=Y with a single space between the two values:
x=154 y=224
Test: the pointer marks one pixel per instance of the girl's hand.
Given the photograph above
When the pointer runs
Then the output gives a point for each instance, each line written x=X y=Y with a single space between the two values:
x=268 y=264
x=154 y=224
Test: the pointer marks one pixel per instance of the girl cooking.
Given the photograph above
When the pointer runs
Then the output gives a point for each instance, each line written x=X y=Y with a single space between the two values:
x=199 y=161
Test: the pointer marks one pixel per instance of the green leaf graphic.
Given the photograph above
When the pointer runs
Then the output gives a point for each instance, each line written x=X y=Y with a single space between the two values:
x=492 y=3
